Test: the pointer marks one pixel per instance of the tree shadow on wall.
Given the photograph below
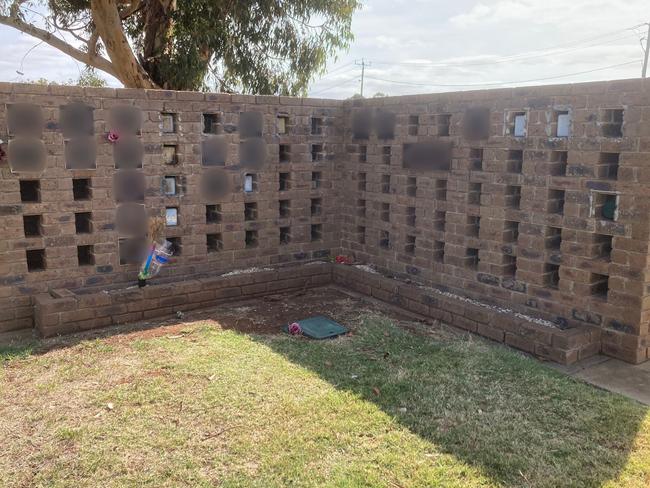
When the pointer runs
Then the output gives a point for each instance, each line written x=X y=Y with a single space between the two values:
x=520 y=422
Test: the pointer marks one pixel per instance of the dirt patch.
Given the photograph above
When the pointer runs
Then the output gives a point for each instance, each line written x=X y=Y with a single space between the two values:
x=263 y=315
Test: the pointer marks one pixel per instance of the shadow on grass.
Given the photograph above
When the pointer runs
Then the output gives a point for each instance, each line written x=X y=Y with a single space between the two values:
x=520 y=422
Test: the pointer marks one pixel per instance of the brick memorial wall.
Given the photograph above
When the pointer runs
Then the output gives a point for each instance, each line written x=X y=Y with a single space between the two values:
x=532 y=202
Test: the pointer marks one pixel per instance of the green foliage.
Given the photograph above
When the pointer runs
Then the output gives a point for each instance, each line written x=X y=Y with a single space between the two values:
x=265 y=46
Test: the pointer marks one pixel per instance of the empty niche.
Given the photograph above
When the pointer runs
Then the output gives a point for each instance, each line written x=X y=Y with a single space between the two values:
x=35 y=260
x=608 y=165
x=128 y=153
x=513 y=197
x=471 y=258
x=170 y=154
x=214 y=242
x=83 y=222
x=476 y=159
x=438 y=251
x=561 y=126
x=213 y=214
x=214 y=151
x=215 y=183
x=551 y=275
x=410 y=216
x=409 y=246
x=132 y=251
x=24 y=119
x=361 y=208
x=316 y=126
x=602 y=246
x=316 y=179
x=385 y=212
x=285 y=235
x=611 y=122
x=385 y=183
x=361 y=123
x=81 y=189
x=443 y=123
x=361 y=181
x=474 y=193
x=250 y=238
x=30 y=191
x=439 y=220
x=168 y=123
x=26 y=154
x=515 y=161
x=361 y=234
x=32 y=225
x=473 y=225
x=316 y=206
x=384 y=239
x=211 y=123
x=385 y=124
x=171 y=216
x=284 y=153
x=131 y=219
x=476 y=123
x=510 y=231
x=411 y=186
x=316 y=232
x=599 y=285
x=251 y=124
x=284 y=181
x=440 y=191
x=604 y=205
x=129 y=186
x=85 y=255
x=252 y=153
x=363 y=154
x=555 y=202
x=250 y=211
x=317 y=154
x=80 y=153
x=559 y=161
x=284 y=208
x=427 y=156
x=386 y=152
x=553 y=238
x=126 y=119
x=509 y=265
x=414 y=125
x=76 y=119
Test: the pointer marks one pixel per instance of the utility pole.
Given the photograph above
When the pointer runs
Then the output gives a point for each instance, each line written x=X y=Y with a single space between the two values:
x=645 y=59
x=363 y=65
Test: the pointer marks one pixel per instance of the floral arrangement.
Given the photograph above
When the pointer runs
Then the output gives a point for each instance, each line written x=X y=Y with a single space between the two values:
x=341 y=259
x=295 y=329
x=113 y=136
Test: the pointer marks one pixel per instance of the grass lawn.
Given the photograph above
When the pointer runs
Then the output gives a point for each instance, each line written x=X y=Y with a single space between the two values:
x=201 y=405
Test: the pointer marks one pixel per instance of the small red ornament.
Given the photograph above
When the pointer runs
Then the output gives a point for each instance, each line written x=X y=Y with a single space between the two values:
x=113 y=136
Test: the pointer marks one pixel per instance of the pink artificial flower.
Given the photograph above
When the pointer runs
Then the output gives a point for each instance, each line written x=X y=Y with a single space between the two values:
x=113 y=136
x=295 y=329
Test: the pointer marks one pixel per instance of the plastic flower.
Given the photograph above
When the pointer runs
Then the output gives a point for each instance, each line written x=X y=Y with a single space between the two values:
x=113 y=136
x=340 y=259
x=295 y=329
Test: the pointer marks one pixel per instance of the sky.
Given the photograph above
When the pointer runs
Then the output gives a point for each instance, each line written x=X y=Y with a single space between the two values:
x=426 y=46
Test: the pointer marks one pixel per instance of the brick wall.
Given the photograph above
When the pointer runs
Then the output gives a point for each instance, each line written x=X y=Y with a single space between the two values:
x=72 y=208
x=533 y=199
x=551 y=221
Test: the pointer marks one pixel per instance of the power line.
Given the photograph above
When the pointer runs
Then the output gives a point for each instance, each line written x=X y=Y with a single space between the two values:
x=502 y=82
x=507 y=59
x=334 y=86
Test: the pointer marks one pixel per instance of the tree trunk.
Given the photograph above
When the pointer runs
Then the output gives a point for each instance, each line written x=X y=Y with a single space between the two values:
x=106 y=18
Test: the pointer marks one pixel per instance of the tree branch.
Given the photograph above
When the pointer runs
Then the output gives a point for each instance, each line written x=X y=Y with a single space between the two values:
x=58 y=43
